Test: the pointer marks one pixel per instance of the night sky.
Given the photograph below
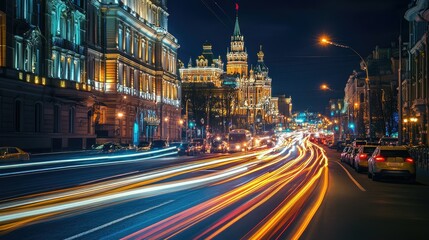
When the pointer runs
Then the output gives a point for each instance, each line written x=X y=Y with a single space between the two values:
x=289 y=32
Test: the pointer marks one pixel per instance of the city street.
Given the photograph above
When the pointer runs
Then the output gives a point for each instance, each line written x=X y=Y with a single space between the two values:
x=273 y=193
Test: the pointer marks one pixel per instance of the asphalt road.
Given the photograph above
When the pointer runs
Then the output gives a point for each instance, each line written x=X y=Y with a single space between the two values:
x=277 y=194
x=380 y=210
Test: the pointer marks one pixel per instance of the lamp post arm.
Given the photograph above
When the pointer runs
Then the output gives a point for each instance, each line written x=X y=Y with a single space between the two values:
x=353 y=50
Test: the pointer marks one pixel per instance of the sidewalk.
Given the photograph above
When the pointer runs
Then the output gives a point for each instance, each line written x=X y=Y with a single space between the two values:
x=422 y=176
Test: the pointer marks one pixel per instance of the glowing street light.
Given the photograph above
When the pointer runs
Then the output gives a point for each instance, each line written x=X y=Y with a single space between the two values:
x=325 y=87
x=326 y=41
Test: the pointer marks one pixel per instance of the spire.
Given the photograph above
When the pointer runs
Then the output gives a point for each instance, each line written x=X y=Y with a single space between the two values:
x=190 y=63
x=237 y=25
x=260 y=54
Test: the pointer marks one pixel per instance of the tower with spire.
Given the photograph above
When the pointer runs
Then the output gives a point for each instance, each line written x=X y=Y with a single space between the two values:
x=237 y=54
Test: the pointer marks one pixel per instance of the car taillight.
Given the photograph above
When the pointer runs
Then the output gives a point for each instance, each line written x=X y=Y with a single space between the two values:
x=380 y=159
x=362 y=156
x=409 y=160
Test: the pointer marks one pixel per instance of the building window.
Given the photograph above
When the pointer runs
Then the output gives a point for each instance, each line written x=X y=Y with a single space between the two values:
x=56 y=119
x=71 y=120
x=89 y=121
x=120 y=39
x=18 y=115
x=38 y=117
x=2 y=40
x=18 y=55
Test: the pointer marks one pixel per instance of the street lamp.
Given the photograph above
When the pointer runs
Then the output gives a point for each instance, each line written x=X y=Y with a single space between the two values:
x=120 y=115
x=325 y=87
x=166 y=123
x=181 y=128
x=326 y=41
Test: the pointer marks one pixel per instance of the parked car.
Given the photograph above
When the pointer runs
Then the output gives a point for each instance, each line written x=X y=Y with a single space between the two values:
x=361 y=159
x=183 y=149
x=13 y=153
x=159 y=144
x=344 y=153
x=391 y=161
x=144 y=146
x=218 y=147
x=202 y=144
x=351 y=155
x=109 y=147
x=195 y=148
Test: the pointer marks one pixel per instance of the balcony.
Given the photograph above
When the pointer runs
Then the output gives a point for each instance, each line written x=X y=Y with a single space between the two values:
x=419 y=105
x=66 y=44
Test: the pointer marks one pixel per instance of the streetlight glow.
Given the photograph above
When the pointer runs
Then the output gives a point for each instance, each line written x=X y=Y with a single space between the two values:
x=325 y=41
x=120 y=114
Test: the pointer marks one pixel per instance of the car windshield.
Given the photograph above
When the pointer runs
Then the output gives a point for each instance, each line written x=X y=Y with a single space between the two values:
x=395 y=153
x=237 y=137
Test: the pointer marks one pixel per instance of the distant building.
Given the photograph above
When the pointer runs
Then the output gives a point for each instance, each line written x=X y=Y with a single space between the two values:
x=237 y=98
x=255 y=103
x=209 y=95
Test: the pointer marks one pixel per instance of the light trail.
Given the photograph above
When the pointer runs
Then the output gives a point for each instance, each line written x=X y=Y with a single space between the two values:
x=61 y=161
x=262 y=188
x=292 y=170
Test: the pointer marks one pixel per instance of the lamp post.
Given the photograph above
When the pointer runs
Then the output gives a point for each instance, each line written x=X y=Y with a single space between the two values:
x=181 y=129
x=413 y=122
x=166 y=124
x=120 y=115
x=187 y=118
x=325 y=41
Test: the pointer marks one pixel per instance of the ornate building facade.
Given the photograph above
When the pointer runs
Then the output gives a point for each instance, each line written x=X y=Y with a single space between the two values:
x=256 y=107
x=132 y=63
x=415 y=80
x=208 y=99
x=239 y=97
x=43 y=89
x=76 y=72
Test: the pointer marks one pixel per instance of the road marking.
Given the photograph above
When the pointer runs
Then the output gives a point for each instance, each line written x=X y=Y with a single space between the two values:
x=351 y=178
x=106 y=178
x=116 y=221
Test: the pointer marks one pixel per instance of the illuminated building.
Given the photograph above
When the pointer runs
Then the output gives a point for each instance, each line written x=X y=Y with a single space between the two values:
x=43 y=89
x=73 y=72
x=207 y=92
x=132 y=63
x=239 y=98
x=256 y=107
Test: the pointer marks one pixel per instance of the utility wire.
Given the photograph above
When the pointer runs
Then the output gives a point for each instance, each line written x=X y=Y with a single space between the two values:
x=213 y=12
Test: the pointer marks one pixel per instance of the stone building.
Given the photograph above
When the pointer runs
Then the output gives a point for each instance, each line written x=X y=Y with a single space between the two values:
x=73 y=73
x=132 y=64
x=415 y=109
x=43 y=86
